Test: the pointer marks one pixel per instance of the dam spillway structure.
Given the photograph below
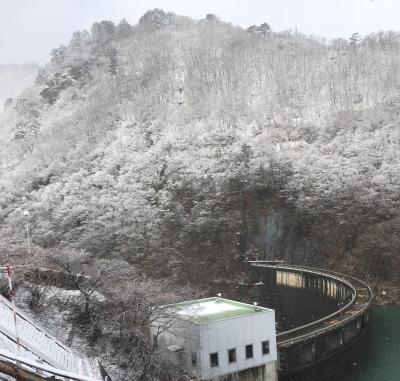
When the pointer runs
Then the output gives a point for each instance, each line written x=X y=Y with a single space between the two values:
x=310 y=340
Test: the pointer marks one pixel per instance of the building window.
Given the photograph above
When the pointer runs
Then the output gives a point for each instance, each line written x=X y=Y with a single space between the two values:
x=232 y=355
x=249 y=351
x=194 y=359
x=265 y=347
x=214 y=360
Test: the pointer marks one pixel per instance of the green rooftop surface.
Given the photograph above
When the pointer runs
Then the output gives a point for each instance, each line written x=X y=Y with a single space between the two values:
x=214 y=309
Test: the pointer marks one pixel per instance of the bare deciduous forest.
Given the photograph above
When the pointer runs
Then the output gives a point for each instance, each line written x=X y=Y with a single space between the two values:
x=143 y=150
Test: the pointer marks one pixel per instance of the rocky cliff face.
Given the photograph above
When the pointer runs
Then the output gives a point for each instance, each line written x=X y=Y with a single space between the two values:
x=277 y=235
x=277 y=232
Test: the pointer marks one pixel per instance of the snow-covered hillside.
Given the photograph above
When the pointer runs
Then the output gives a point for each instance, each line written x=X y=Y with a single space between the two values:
x=158 y=142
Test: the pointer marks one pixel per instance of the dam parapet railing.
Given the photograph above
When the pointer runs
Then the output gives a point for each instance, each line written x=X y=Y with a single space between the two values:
x=319 y=340
x=360 y=301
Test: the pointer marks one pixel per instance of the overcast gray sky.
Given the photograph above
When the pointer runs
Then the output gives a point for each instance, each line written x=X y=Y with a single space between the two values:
x=29 y=29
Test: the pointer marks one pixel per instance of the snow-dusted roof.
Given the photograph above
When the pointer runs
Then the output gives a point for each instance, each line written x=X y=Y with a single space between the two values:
x=213 y=309
x=36 y=344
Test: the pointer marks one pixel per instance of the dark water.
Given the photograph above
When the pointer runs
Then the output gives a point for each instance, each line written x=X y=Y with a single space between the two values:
x=380 y=360
x=376 y=357
x=301 y=306
x=293 y=306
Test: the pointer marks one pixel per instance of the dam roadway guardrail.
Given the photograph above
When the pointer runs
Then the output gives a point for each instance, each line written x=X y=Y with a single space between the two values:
x=319 y=340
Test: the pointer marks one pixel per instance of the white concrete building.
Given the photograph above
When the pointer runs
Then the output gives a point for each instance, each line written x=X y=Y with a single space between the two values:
x=218 y=339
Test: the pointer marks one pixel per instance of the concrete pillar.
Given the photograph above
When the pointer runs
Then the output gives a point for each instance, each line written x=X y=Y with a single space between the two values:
x=271 y=373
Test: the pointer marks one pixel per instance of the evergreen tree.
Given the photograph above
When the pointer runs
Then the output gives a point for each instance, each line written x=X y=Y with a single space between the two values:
x=123 y=29
x=355 y=39
x=264 y=28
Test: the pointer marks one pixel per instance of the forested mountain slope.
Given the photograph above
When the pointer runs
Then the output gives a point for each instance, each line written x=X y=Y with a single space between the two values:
x=158 y=142
x=14 y=79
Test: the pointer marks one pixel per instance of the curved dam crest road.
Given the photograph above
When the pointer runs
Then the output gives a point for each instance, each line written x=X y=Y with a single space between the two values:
x=318 y=341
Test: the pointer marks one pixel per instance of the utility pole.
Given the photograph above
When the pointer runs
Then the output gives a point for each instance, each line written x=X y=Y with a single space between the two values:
x=11 y=296
x=26 y=214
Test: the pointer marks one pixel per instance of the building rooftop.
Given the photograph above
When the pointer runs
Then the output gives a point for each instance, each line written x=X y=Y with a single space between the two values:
x=214 y=309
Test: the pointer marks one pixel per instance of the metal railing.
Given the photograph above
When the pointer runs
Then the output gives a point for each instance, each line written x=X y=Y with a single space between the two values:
x=37 y=369
x=31 y=367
